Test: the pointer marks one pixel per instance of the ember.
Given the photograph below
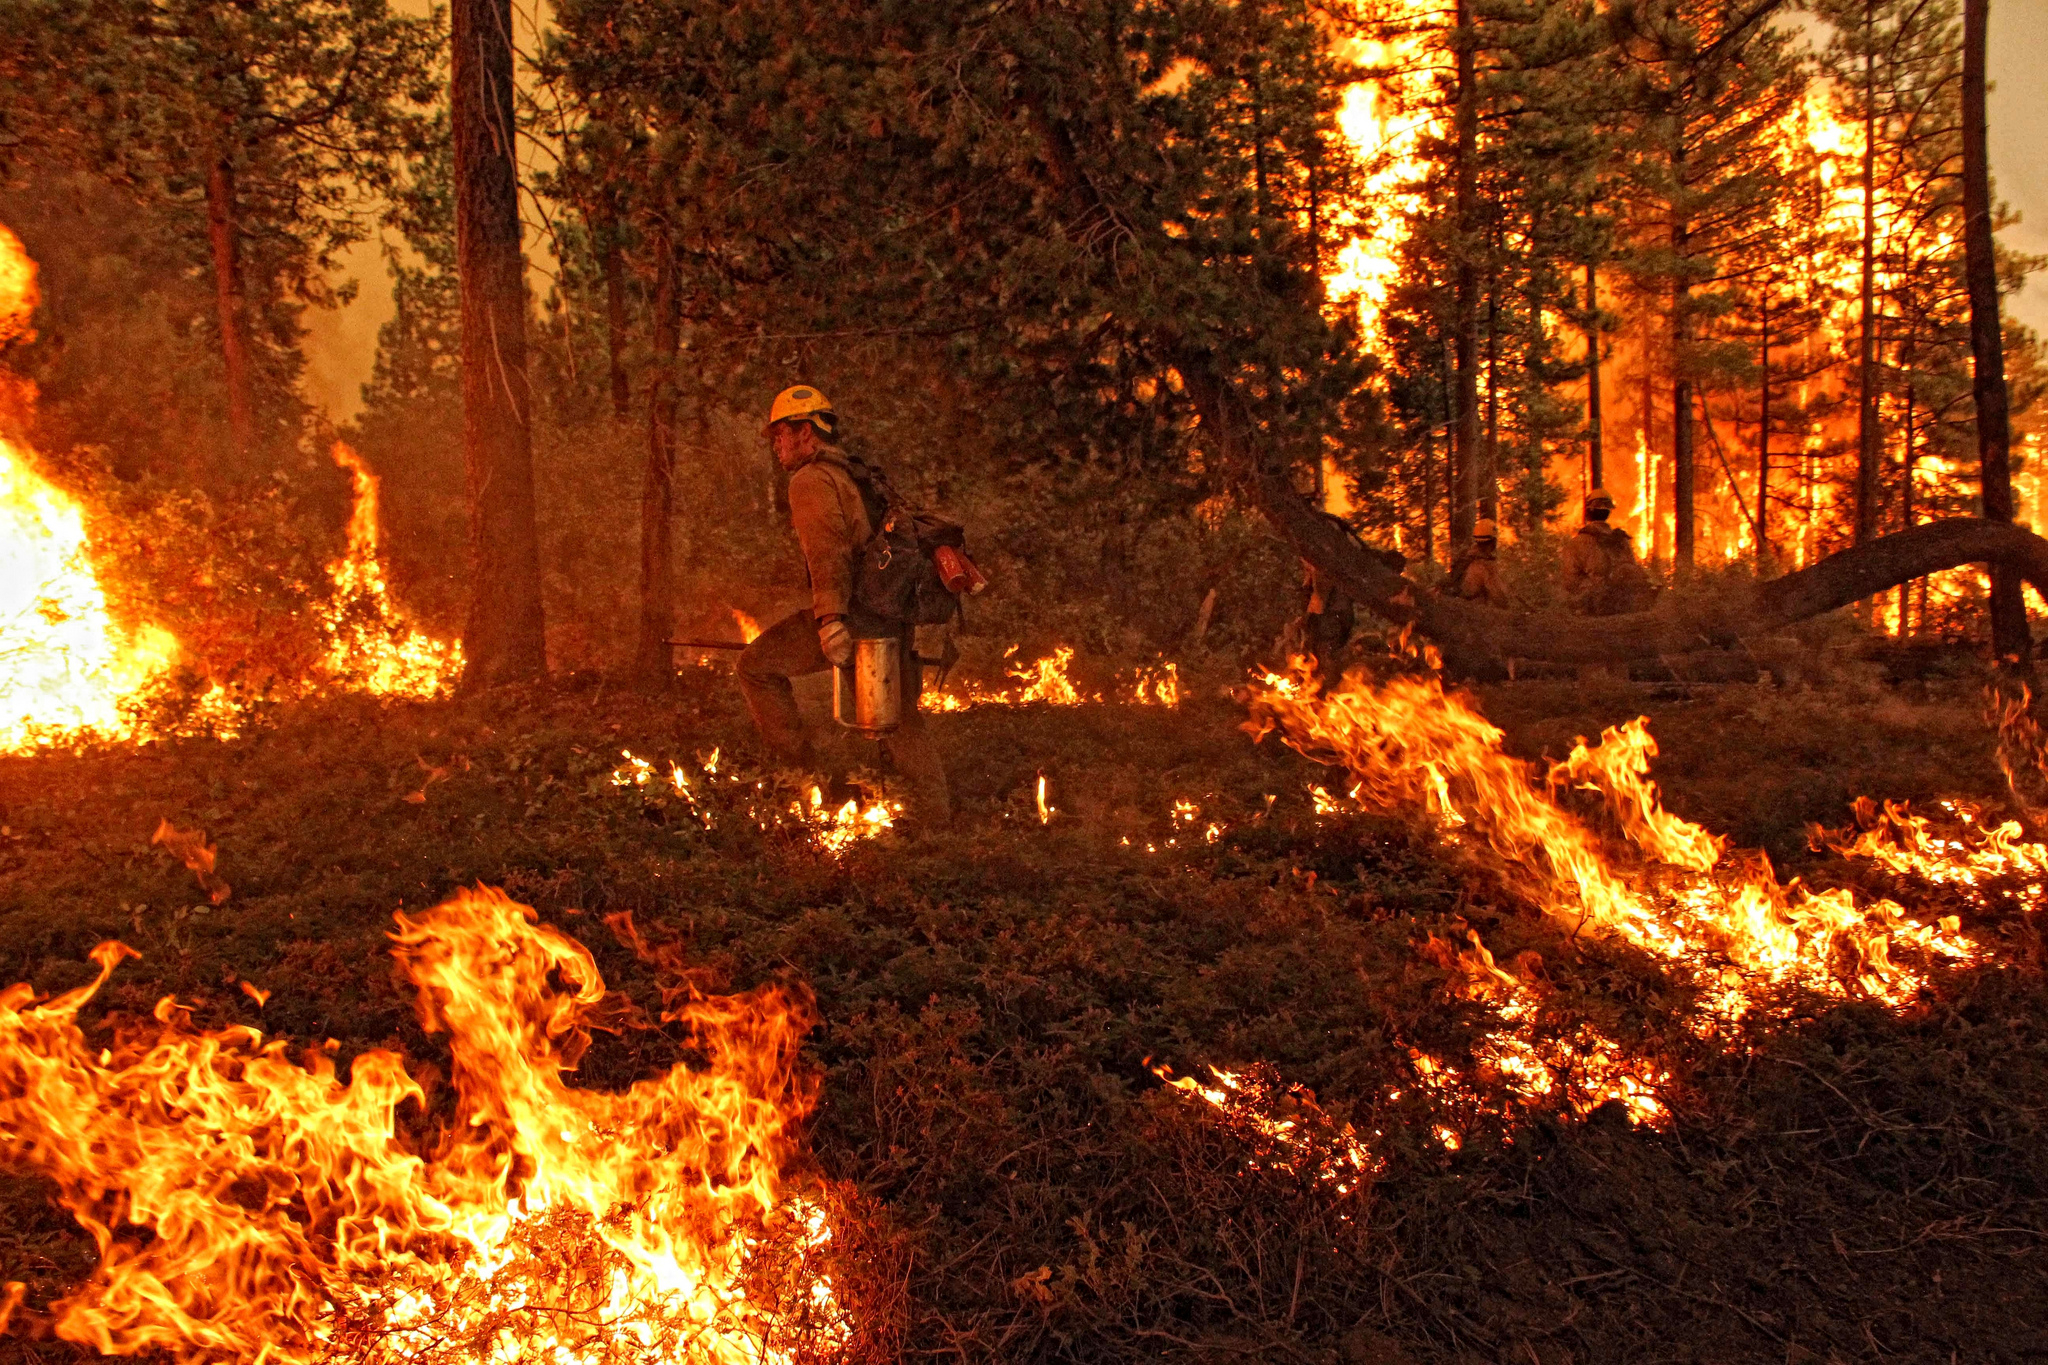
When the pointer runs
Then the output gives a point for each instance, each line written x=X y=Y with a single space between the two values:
x=709 y=796
x=1050 y=681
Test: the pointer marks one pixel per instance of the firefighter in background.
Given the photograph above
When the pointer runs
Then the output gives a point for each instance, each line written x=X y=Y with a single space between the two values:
x=834 y=511
x=1328 y=620
x=1475 y=575
x=1326 y=624
x=1601 y=575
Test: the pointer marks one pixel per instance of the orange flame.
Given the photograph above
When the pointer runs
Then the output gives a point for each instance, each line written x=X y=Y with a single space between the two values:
x=19 y=293
x=1049 y=681
x=67 y=671
x=1726 y=923
x=189 y=846
x=750 y=629
x=1409 y=742
x=372 y=644
x=711 y=795
x=252 y=1207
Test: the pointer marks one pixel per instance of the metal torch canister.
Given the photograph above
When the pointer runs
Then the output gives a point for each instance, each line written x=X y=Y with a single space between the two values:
x=867 y=695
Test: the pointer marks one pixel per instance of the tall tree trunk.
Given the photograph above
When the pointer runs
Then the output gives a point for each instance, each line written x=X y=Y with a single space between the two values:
x=1594 y=455
x=2010 y=639
x=654 y=661
x=1868 y=450
x=505 y=639
x=614 y=265
x=1489 y=469
x=1763 y=441
x=1649 y=471
x=1681 y=443
x=1465 y=443
x=224 y=237
x=1681 y=381
x=1429 y=494
x=1906 y=494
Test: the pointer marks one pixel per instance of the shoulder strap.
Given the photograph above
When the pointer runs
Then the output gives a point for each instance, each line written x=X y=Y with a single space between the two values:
x=877 y=495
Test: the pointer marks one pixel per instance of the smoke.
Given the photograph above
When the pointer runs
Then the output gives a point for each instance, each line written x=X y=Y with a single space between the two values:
x=2018 y=114
x=341 y=344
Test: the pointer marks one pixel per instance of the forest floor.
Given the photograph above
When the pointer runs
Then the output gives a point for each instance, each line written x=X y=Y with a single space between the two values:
x=1835 y=1181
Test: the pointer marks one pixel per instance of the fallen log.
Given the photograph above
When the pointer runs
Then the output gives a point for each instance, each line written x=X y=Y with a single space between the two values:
x=1475 y=638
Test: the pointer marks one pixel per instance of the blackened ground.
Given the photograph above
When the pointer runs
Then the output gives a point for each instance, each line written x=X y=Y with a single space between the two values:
x=1013 y=1181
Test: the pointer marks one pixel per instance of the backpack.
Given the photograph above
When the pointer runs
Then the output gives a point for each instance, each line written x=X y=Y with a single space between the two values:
x=1629 y=588
x=899 y=577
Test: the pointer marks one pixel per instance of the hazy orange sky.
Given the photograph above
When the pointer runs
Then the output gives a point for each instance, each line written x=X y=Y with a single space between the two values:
x=342 y=343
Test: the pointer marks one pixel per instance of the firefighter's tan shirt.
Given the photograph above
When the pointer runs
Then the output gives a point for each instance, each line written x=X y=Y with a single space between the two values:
x=1478 y=580
x=1590 y=556
x=832 y=527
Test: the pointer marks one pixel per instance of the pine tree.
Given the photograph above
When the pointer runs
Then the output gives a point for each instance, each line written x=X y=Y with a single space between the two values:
x=1709 y=81
x=279 y=121
x=504 y=639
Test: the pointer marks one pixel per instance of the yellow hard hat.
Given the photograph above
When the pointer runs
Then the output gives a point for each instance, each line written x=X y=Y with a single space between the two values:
x=1484 y=529
x=803 y=403
x=1599 y=497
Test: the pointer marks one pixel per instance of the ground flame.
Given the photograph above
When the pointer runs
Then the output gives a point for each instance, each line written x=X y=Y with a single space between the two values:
x=252 y=1207
x=67 y=669
x=372 y=644
x=1049 y=680
x=1408 y=741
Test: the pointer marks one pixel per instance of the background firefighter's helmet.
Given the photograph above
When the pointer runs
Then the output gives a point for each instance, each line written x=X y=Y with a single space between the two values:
x=803 y=403
x=1484 y=529
x=1599 y=497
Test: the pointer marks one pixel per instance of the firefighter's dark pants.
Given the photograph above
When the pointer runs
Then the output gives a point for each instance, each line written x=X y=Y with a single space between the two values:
x=789 y=649
x=1324 y=634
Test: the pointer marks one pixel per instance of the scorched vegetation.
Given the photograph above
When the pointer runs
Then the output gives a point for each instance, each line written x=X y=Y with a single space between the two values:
x=1004 y=1172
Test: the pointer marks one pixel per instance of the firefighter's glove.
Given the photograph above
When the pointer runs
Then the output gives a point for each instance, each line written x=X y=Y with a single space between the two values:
x=837 y=642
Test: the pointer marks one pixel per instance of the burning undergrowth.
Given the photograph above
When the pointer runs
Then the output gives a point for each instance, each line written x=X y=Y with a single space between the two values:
x=991 y=992
x=709 y=793
x=169 y=620
x=252 y=1205
x=1051 y=680
x=1588 y=843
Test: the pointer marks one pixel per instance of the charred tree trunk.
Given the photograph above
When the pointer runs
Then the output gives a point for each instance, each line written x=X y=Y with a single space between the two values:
x=1489 y=469
x=2010 y=638
x=1429 y=494
x=1465 y=441
x=1681 y=414
x=1594 y=454
x=224 y=238
x=1906 y=463
x=504 y=639
x=1763 y=439
x=654 y=661
x=1867 y=449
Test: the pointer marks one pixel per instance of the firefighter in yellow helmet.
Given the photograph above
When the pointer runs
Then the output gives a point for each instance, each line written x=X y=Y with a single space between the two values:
x=1601 y=575
x=834 y=507
x=1475 y=575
